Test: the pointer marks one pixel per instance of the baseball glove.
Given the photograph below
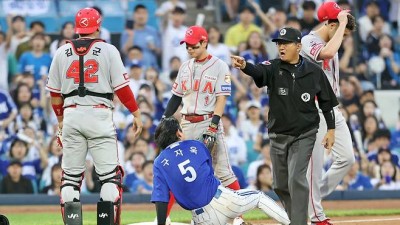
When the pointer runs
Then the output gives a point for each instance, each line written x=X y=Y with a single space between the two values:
x=59 y=137
x=209 y=137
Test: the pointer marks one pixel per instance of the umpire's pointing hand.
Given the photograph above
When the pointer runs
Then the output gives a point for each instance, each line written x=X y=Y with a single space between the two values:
x=137 y=123
x=329 y=139
x=238 y=62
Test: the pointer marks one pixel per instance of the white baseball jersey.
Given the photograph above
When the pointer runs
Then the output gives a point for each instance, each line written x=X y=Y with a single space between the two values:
x=104 y=72
x=312 y=46
x=199 y=84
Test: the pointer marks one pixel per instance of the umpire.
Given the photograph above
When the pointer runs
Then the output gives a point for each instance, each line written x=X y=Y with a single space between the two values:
x=293 y=83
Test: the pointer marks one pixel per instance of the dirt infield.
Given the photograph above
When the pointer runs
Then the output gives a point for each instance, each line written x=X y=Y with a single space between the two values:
x=330 y=205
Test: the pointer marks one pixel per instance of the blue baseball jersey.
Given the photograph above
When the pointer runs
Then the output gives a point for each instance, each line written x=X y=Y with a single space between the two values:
x=185 y=169
x=7 y=105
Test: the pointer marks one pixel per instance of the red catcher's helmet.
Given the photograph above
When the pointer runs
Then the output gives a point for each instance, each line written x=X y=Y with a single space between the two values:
x=87 y=21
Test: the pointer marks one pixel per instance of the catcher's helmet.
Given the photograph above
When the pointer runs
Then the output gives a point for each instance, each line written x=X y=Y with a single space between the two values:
x=87 y=21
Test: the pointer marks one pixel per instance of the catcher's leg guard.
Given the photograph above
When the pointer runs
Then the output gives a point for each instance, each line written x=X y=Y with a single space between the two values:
x=110 y=197
x=71 y=208
x=73 y=213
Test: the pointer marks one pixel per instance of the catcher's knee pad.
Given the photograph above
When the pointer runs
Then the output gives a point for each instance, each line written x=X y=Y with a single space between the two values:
x=110 y=197
x=71 y=208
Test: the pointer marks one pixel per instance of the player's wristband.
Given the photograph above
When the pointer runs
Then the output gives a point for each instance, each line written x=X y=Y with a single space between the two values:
x=58 y=109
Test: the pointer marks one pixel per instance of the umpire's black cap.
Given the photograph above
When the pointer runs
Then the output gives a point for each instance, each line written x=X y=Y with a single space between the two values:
x=288 y=34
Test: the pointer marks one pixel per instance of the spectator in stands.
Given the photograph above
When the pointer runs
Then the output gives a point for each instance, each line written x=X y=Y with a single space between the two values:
x=352 y=63
x=22 y=95
x=173 y=32
x=144 y=185
x=135 y=56
x=36 y=27
x=167 y=7
x=25 y=118
x=142 y=35
x=158 y=88
x=255 y=49
x=235 y=144
x=369 y=126
x=308 y=21
x=295 y=23
x=388 y=179
x=370 y=108
x=264 y=179
x=262 y=134
x=242 y=30
x=138 y=145
x=14 y=182
x=395 y=140
x=136 y=77
x=133 y=167
x=4 y=49
x=390 y=77
x=384 y=154
x=372 y=10
x=350 y=89
x=145 y=98
x=355 y=180
x=372 y=42
x=17 y=30
x=67 y=33
x=55 y=155
x=268 y=27
x=215 y=45
x=344 y=4
x=54 y=187
x=249 y=127
x=381 y=139
x=104 y=33
x=279 y=18
x=265 y=159
x=8 y=110
x=36 y=61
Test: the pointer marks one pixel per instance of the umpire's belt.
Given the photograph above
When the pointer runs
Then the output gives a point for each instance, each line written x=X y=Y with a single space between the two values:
x=194 y=118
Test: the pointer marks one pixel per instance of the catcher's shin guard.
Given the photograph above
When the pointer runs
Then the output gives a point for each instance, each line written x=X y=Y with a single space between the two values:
x=105 y=213
x=111 y=191
x=71 y=208
x=73 y=213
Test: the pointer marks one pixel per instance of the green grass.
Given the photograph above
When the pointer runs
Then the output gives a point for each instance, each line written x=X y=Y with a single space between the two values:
x=177 y=216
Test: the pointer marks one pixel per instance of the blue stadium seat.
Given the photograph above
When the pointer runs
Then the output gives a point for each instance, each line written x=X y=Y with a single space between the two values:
x=151 y=6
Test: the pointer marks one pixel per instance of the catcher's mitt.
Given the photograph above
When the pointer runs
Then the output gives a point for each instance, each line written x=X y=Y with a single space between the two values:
x=59 y=137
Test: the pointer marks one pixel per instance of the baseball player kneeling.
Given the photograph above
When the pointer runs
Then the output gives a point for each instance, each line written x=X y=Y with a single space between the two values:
x=184 y=167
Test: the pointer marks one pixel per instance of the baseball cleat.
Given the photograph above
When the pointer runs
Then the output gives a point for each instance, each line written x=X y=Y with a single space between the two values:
x=323 y=222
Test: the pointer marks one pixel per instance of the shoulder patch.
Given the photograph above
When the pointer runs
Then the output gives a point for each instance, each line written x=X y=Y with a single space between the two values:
x=227 y=78
x=266 y=62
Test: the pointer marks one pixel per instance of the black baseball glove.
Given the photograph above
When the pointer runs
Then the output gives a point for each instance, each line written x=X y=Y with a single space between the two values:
x=209 y=137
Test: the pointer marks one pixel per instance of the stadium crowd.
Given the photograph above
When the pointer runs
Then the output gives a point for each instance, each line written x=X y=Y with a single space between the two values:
x=369 y=60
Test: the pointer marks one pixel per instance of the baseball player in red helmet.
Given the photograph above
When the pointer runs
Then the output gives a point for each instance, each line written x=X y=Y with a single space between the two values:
x=84 y=75
x=321 y=46
x=203 y=84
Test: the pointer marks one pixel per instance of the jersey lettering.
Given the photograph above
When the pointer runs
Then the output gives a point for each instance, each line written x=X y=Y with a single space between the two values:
x=325 y=65
x=96 y=51
x=91 y=65
x=183 y=84
x=208 y=88
x=68 y=52
x=188 y=169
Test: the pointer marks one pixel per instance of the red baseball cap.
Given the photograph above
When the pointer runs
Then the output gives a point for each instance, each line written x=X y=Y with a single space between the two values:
x=328 y=11
x=194 y=35
x=87 y=21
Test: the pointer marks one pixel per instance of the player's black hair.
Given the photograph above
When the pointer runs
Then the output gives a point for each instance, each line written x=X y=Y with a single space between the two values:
x=351 y=24
x=147 y=162
x=166 y=132
x=139 y=6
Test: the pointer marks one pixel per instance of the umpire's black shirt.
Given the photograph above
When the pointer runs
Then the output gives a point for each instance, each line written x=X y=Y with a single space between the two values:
x=292 y=90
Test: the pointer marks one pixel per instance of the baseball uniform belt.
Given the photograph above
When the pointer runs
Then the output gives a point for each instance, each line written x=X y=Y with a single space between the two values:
x=197 y=118
x=94 y=106
x=217 y=195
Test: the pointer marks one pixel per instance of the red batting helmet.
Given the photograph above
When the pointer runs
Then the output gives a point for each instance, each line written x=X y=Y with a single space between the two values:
x=87 y=21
